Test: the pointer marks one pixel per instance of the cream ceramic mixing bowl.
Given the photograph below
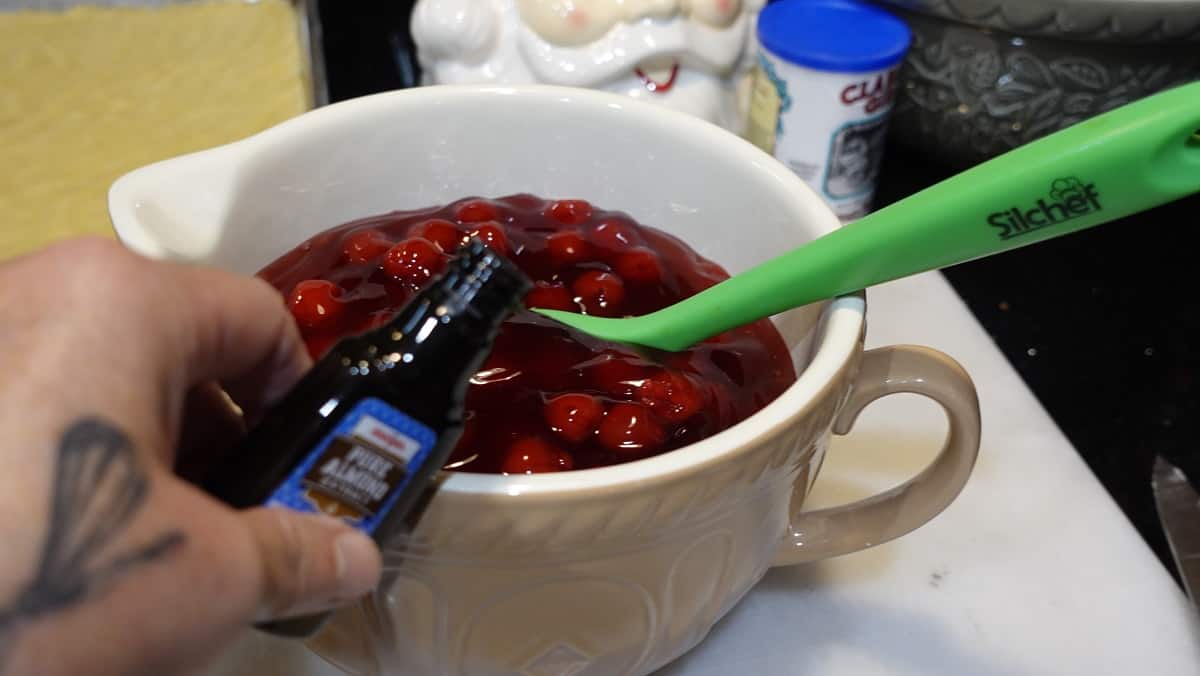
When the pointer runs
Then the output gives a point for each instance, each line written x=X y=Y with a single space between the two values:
x=600 y=572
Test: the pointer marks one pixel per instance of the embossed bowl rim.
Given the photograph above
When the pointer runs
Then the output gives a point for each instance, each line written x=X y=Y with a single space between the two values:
x=838 y=330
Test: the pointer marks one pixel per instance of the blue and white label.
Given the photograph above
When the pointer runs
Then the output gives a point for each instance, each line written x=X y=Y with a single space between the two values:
x=832 y=135
x=359 y=469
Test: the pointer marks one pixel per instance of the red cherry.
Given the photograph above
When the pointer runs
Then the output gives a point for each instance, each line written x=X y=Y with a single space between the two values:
x=713 y=270
x=629 y=428
x=395 y=295
x=523 y=202
x=534 y=455
x=477 y=211
x=570 y=212
x=441 y=232
x=567 y=248
x=413 y=260
x=709 y=274
x=365 y=246
x=671 y=395
x=493 y=235
x=617 y=374
x=315 y=304
x=719 y=339
x=551 y=296
x=639 y=266
x=573 y=416
x=614 y=235
x=599 y=292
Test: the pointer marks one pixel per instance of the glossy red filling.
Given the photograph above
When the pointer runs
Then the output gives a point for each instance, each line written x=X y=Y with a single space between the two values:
x=548 y=398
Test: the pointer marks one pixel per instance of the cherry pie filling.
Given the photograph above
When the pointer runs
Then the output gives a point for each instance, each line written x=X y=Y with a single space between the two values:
x=548 y=398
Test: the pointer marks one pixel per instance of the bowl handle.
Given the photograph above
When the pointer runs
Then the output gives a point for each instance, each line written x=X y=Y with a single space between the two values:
x=176 y=208
x=864 y=523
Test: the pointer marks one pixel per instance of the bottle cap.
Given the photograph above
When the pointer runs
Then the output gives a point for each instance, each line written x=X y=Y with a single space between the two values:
x=833 y=35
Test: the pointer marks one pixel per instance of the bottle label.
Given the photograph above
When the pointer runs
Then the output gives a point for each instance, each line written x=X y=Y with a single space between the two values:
x=360 y=468
x=830 y=127
x=768 y=101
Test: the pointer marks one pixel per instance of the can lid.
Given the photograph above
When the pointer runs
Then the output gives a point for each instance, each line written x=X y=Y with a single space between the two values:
x=833 y=35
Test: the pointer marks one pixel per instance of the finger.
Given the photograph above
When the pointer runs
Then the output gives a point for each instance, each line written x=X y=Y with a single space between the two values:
x=310 y=563
x=236 y=330
x=154 y=330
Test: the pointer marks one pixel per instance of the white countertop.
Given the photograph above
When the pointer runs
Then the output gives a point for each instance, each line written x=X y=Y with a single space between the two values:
x=1032 y=570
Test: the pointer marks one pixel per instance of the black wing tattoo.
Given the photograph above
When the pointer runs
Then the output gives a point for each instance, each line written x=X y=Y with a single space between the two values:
x=98 y=488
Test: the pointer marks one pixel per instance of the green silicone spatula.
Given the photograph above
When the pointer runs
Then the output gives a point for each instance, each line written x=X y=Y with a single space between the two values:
x=1127 y=160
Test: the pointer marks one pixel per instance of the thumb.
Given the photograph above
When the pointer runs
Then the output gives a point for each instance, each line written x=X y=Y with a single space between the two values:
x=310 y=563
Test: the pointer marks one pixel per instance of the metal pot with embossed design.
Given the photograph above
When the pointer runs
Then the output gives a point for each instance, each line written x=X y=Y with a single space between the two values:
x=985 y=76
x=600 y=572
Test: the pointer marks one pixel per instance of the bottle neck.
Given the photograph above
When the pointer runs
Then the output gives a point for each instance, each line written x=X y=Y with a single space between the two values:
x=430 y=325
x=431 y=343
x=444 y=333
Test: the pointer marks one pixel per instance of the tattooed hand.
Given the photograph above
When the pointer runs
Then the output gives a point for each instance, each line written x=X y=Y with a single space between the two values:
x=111 y=377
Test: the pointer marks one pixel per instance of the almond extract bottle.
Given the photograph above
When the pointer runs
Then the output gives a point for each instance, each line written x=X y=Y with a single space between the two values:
x=362 y=434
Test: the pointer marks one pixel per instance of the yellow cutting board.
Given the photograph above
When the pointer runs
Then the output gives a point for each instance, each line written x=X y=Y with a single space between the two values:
x=91 y=93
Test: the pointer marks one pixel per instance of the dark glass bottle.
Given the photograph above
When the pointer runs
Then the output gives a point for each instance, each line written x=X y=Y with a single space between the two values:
x=362 y=435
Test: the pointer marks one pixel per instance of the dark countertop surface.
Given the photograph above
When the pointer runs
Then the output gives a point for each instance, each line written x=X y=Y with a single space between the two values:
x=1102 y=324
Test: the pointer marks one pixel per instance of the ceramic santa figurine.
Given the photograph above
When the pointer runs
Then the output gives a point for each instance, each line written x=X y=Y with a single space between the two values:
x=689 y=55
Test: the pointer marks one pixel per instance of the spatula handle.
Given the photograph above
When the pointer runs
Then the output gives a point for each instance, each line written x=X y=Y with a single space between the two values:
x=1122 y=162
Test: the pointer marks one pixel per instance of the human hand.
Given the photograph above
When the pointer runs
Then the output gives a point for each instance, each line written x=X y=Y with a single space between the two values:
x=112 y=563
